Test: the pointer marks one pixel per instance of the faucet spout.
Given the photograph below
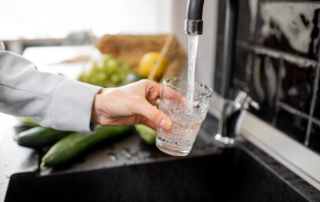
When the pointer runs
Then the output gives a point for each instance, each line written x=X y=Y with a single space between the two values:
x=194 y=23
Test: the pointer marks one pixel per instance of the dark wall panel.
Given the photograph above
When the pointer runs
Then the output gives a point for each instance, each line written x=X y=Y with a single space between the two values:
x=276 y=60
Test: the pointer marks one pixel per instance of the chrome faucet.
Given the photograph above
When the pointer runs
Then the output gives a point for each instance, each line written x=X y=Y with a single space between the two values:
x=232 y=114
x=194 y=24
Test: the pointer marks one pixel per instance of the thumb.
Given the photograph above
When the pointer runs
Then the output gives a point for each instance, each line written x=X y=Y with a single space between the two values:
x=144 y=108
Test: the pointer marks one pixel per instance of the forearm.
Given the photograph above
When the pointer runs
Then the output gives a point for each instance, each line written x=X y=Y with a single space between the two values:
x=50 y=100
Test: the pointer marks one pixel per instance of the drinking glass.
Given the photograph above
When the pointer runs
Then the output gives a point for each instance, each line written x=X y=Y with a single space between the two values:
x=185 y=116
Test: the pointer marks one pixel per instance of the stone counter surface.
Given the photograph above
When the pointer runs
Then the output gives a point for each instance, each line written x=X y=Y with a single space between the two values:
x=128 y=150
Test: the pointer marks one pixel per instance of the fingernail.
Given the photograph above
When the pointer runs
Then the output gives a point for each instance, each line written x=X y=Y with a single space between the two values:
x=165 y=124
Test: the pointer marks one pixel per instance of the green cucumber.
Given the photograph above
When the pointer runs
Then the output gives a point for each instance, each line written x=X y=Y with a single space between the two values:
x=39 y=137
x=76 y=143
x=147 y=134
x=28 y=122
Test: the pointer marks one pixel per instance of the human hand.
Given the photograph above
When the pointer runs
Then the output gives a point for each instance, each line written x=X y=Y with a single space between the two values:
x=129 y=105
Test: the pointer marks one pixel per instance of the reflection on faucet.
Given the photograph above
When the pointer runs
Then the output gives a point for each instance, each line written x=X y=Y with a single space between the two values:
x=232 y=114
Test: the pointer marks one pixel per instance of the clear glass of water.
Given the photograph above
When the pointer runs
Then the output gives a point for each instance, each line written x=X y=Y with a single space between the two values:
x=186 y=118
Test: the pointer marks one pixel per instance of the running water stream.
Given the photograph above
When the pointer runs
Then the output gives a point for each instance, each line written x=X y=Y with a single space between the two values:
x=192 y=54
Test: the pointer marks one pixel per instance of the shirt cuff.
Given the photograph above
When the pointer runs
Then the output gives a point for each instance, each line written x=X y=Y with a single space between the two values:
x=72 y=106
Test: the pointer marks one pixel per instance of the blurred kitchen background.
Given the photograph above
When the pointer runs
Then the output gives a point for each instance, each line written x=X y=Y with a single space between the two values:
x=270 y=50
x=272 y=54
x=35 y=23
x=59 y=36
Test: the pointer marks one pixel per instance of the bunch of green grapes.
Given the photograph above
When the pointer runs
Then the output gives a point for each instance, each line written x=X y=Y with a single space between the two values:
x=108 y=72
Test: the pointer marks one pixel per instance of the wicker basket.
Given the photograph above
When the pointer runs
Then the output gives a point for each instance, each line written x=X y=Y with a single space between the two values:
x=132 y=47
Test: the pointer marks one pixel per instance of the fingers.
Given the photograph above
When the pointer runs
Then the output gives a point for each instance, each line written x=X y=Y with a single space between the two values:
x=152 y=91
x=127 y=121
x=173 y=95
x=144 y=108
x=157 y=103
x=149 y=124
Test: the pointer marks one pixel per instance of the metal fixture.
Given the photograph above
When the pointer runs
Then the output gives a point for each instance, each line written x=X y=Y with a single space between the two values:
x=194 y=24
x=232 y=114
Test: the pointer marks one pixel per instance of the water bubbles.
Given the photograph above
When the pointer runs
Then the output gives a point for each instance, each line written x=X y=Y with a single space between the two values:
x=196 y=103
x=7 y=176
x=6 y=163
x=186 y=124
x=126 y=153
x=143 y=155
x=112 y=157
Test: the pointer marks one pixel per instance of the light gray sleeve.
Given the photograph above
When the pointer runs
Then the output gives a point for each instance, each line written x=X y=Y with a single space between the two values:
x=50 y=100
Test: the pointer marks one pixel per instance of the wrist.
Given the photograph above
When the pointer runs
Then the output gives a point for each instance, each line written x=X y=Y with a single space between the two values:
x=96 y=108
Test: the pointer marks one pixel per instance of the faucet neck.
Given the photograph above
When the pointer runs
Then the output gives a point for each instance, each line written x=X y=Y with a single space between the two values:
x=194 y=23
x=194 y=9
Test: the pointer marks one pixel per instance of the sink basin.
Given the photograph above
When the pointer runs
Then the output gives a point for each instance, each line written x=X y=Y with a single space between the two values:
x=232 y=175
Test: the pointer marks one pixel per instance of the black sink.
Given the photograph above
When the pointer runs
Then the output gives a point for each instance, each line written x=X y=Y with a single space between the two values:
x=232 y=175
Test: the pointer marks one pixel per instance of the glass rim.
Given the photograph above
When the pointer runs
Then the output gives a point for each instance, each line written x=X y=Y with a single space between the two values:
x=180 y=78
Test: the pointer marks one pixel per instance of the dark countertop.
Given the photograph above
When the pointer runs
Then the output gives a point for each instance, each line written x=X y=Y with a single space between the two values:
x=130 y=150
x=127 y=150
x=14 y=159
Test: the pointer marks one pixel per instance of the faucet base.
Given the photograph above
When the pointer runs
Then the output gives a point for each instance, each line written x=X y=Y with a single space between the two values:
x=224 y=141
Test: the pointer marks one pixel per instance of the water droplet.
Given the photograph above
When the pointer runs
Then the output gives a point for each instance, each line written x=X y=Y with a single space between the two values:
x=6 y=163
x=7 y=175
x=112 y=157
x=126 y=153
x=144 y=154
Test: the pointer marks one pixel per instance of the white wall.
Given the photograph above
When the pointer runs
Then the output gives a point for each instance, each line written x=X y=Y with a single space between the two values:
x=38 y=19
x=34 y=19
